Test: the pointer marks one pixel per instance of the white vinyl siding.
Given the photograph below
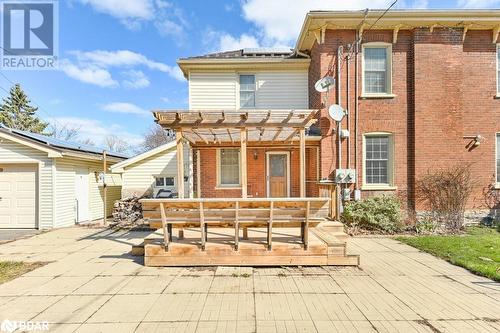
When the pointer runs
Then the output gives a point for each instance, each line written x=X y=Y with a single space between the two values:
x=377 y=69
x=274 y=90
x=213 y=91
x=139 y=178
x=13 y=152
x=65 y=191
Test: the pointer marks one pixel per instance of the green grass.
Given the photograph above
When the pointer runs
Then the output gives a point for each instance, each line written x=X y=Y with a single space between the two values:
x=478 y=250
x=9 y=270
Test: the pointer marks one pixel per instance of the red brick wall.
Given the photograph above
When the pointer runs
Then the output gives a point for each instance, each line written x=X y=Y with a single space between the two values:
x=257 y=173
x=444 y=90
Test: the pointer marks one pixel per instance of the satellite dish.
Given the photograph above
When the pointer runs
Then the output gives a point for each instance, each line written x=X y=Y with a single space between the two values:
x=324 y=84
x=336 y=112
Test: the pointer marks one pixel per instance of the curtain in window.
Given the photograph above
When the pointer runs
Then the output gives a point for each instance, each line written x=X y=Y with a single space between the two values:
x=377 y=160
x=229 y=167
x=375 y=69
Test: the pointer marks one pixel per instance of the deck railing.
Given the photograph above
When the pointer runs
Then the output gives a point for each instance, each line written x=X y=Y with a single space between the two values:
x=237 y=213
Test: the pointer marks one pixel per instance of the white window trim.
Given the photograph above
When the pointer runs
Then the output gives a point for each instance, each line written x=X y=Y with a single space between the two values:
x=165 y=176
x=218 y=166
x=497 y=71
x=238 y=90
x=391 y=166
x=497 y=149
x=268 y=175
x=388 y=93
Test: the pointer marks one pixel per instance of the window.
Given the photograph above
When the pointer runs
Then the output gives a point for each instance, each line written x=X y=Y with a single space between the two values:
x=498 y=69
x=247 y=91
x=377 y=69
x=164 y=181
x=498 y=158
x=228 y=167
x=378 y=160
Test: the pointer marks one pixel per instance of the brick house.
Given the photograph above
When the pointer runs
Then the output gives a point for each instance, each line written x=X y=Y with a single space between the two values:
x=421 y=90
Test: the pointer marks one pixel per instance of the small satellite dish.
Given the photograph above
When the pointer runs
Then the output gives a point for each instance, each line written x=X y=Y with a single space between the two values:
x=324 y=84
x=336 y=112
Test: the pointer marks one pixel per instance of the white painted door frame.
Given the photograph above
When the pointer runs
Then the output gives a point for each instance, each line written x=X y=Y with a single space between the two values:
x=268 y=177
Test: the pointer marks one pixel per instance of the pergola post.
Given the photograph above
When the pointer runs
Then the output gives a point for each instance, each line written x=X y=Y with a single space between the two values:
x=302 y=163
x=244 y=181
x=180 y=164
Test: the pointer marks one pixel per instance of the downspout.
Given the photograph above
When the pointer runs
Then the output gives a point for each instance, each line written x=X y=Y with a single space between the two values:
x=348 y=87
x=356 y=109
x=338 y=188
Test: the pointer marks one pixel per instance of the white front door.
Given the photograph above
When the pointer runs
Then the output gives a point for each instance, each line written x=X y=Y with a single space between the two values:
x=18 y=193
x=82 y=195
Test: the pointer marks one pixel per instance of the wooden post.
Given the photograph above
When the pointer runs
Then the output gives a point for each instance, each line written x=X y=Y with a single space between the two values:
x=302 y=163
x=305 y=237
x=236 y=226
x=198 y=173
x=166 y=236
x=270 y=227
x=104 y=188
x=243 y=152
x=180 y=165
x=202 y=226
x=243 y=139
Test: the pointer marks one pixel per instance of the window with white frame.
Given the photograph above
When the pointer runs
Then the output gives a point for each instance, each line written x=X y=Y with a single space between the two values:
x=377 y=69
x=247 y=91
x=498 y=158
x=229 y=167
x=498 y=69
x=163 y=181
x=378 y=159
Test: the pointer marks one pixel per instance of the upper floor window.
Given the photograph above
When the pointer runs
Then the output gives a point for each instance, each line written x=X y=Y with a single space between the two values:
x=378 y=160
x=377 y=69
x=228 y=167
x=247 y=91
x=498 y=158
x=498 y=69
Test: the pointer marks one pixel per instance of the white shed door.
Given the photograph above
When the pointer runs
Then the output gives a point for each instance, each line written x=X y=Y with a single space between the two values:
x=82 y=195
x=18 y=196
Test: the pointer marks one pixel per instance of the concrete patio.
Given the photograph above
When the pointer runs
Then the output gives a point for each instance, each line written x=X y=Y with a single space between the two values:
x=93 y=285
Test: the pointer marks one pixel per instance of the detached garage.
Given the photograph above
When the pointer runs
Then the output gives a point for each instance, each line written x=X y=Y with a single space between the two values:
x=47 y=183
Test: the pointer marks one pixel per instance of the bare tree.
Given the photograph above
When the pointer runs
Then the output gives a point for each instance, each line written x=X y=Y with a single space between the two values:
x=155 y=137
x=114 y=143
x=87 y=142
x=64 y=132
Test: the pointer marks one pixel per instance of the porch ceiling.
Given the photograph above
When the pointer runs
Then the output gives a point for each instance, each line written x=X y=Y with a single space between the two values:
x=217 y=126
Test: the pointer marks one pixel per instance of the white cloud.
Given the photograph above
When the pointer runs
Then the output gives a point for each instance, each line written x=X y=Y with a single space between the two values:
x=168 y=19
x=279 y=22
x=125 y=58
x=135 y=79
x=478 y=3
x=129 y=108
x=96 y=131
x=136 y=9
x=223 y=41
x=88 y=74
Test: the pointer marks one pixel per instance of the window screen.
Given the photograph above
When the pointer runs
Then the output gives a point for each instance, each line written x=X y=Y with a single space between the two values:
x=247 y=91
x=229 y=166
x=377 y=160
x=376 y=70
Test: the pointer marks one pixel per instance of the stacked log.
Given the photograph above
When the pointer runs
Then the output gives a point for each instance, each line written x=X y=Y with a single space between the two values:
x=127 y=210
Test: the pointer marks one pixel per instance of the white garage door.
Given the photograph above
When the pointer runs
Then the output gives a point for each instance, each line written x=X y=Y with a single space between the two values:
x=18 y=196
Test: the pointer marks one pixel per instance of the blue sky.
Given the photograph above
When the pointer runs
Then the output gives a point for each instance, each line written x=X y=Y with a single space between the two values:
x=118 y=58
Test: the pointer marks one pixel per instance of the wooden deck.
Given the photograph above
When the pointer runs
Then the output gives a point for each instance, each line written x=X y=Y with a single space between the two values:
x=219 y=249
x=251 y=232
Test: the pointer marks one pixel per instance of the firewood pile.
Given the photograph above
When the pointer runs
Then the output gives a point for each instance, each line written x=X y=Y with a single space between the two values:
x=128 y=210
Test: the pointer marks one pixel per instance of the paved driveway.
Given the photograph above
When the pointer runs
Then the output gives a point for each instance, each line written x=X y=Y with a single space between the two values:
x=7 y=235
x=93 y=285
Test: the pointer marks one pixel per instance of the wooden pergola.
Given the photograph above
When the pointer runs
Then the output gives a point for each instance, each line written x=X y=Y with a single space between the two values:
x=242 y=126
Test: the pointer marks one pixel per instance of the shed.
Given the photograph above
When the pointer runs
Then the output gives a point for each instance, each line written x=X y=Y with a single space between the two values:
x=148 y=173
x=48 y=183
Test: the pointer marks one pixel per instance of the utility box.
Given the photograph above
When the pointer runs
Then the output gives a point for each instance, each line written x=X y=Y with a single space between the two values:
x=345 y=176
